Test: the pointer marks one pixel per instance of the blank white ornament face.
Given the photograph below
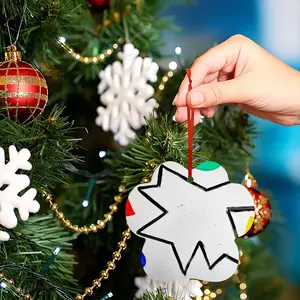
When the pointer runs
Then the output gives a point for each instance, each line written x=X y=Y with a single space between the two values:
x=190 y=228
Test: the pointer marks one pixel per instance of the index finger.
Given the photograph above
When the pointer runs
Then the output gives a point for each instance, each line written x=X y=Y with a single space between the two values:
x=220 y=57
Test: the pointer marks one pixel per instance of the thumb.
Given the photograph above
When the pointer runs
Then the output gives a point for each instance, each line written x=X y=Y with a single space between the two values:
x=211 y=94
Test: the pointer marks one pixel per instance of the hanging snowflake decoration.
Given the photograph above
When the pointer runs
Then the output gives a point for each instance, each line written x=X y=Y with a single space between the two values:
x=125 y=92
x=11 y=184
x=177 y=290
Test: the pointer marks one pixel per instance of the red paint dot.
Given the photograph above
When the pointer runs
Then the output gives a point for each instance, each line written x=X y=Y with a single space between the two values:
x=129 y=210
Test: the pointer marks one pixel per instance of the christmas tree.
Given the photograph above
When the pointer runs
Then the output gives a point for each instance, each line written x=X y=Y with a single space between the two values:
x=85 y=143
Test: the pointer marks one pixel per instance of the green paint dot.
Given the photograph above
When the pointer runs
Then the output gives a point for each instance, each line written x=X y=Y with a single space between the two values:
x=208 y=166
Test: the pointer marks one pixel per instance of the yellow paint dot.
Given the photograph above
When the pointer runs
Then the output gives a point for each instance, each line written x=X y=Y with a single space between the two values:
x=243 y=296
x=213 y=295
x=206 y=298
x=219 y=291
x=249 y=224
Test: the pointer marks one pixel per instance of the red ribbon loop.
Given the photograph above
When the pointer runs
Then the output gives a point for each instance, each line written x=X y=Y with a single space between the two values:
x=190 y=121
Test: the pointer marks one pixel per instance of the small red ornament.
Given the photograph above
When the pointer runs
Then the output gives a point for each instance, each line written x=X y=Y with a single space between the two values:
x=102 y=4
x=25 y=88
x=262 y=207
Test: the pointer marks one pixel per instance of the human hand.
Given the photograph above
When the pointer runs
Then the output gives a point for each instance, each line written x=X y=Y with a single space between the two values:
x=240 y=72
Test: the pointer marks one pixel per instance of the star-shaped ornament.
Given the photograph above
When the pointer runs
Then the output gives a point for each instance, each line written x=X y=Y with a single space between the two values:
x=190 y=228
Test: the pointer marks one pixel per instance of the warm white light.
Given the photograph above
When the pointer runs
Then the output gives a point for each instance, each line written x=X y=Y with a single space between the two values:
x=62 y=39
x=178 y=50
x=173 y=65
x=102 y=153
x=85 y=203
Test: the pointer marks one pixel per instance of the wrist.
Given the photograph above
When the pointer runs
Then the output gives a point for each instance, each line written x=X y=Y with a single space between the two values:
x=298 y=98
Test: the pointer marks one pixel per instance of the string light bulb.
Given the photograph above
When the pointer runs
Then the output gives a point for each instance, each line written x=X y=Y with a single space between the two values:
x=89 y=59
x=85 y=203
x=178 y=50
x=102 y=154
x=108 y=296
x=173 y=65
x=62 y=39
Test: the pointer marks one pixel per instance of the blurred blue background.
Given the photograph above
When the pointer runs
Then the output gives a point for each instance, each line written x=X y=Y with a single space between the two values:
x=275 y=25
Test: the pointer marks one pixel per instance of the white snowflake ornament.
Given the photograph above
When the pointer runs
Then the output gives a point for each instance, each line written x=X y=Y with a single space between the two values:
x=126 y=94
x=190 y=228
x=11 y=184
x=177 y=290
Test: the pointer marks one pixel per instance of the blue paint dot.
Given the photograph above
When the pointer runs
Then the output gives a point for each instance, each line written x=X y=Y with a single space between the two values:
x=143 y=260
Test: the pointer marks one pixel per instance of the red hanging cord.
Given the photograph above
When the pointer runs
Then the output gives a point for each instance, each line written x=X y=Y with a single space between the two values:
x=190 y=120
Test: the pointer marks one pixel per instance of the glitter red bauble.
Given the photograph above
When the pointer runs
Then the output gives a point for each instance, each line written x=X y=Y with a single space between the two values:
x=103 y=4
x=26 y=91
x=262 y=210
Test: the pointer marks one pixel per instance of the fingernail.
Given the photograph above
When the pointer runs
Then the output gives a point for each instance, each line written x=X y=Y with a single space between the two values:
x=173 y=103
x=197 y=99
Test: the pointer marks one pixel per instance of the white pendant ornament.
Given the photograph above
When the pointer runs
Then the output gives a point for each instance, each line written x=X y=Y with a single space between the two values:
x=11 y=184
x=126 y=94
x=190 y=228
x=176 y=290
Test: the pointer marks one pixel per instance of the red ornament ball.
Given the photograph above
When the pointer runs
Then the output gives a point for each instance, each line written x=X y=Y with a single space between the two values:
x=262 y=210
x=25 y=89
x=103 y=4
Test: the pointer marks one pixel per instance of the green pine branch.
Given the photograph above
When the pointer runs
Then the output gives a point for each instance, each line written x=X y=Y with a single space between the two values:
x=164 y=140
x=159 y=295
x=44 y=21
x=31 y=245
x=50 y=142
x=227 y=139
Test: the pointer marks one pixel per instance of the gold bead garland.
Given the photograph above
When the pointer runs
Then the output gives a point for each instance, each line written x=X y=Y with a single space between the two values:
x=111 y=265
x=163 y=82
x=86 y=229
x=91 y=59
x=149 y=168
